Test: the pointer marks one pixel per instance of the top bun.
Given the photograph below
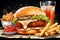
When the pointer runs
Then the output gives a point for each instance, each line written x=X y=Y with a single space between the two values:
x=29 y=10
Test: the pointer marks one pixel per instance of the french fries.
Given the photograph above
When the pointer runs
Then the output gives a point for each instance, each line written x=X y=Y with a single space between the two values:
x=55 y=24
x=52 y=33
x=43 y=31
x=46 y=34
x=52 y=29
x=8 y=17
x=58 y=28
x=49 y=30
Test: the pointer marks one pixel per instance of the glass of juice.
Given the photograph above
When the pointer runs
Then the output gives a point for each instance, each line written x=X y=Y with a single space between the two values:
x=49 y=8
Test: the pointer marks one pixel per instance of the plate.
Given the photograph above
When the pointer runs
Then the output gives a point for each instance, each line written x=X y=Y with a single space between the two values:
x=9 y=33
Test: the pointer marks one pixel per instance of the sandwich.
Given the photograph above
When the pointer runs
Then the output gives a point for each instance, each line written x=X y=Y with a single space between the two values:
x=30 y=19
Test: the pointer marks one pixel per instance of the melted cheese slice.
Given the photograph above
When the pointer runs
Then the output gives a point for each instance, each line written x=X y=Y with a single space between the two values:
x=25 y=23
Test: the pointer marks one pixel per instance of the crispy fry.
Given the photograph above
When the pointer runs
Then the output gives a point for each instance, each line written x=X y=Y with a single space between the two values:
x=43 y=31
x=49 y=30
x=58 y=29
x=52 y=33
x=8 y=17
x=55 y=24
x=46 y=34
x=52 y=29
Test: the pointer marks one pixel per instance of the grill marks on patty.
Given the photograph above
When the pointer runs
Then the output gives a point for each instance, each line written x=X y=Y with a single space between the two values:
x=37 y=23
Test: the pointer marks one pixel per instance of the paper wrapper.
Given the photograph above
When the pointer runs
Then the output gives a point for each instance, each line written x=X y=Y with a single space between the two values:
x=28 y=36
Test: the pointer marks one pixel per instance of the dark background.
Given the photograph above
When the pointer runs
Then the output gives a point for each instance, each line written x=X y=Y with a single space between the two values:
x=16 y=4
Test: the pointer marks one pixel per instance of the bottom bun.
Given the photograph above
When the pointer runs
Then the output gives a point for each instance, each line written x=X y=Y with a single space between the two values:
x=28 y=32
x=31 y=32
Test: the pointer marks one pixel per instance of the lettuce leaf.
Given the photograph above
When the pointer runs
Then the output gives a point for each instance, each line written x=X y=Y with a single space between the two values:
x=40 y=17
x=14 y=20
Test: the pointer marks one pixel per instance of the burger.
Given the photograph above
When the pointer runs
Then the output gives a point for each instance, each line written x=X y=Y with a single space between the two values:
x=30 y=19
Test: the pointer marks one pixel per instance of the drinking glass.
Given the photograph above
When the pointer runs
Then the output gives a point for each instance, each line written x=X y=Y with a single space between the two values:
x=49 y=8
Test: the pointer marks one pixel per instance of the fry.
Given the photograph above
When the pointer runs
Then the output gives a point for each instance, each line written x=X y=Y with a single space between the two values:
x=52 y=33
x=46 y=34
x=43 y=31
x=8 y=17
x=52 y=29
x=58 y=29
x=55 y=24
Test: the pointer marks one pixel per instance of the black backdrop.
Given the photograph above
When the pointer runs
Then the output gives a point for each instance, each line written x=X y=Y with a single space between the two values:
x=16 y=4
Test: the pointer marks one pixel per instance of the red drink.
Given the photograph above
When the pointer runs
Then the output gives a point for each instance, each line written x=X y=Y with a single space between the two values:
x=50 y=13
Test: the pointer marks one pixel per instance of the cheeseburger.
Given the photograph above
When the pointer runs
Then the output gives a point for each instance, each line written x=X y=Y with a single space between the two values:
x=30 y=19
